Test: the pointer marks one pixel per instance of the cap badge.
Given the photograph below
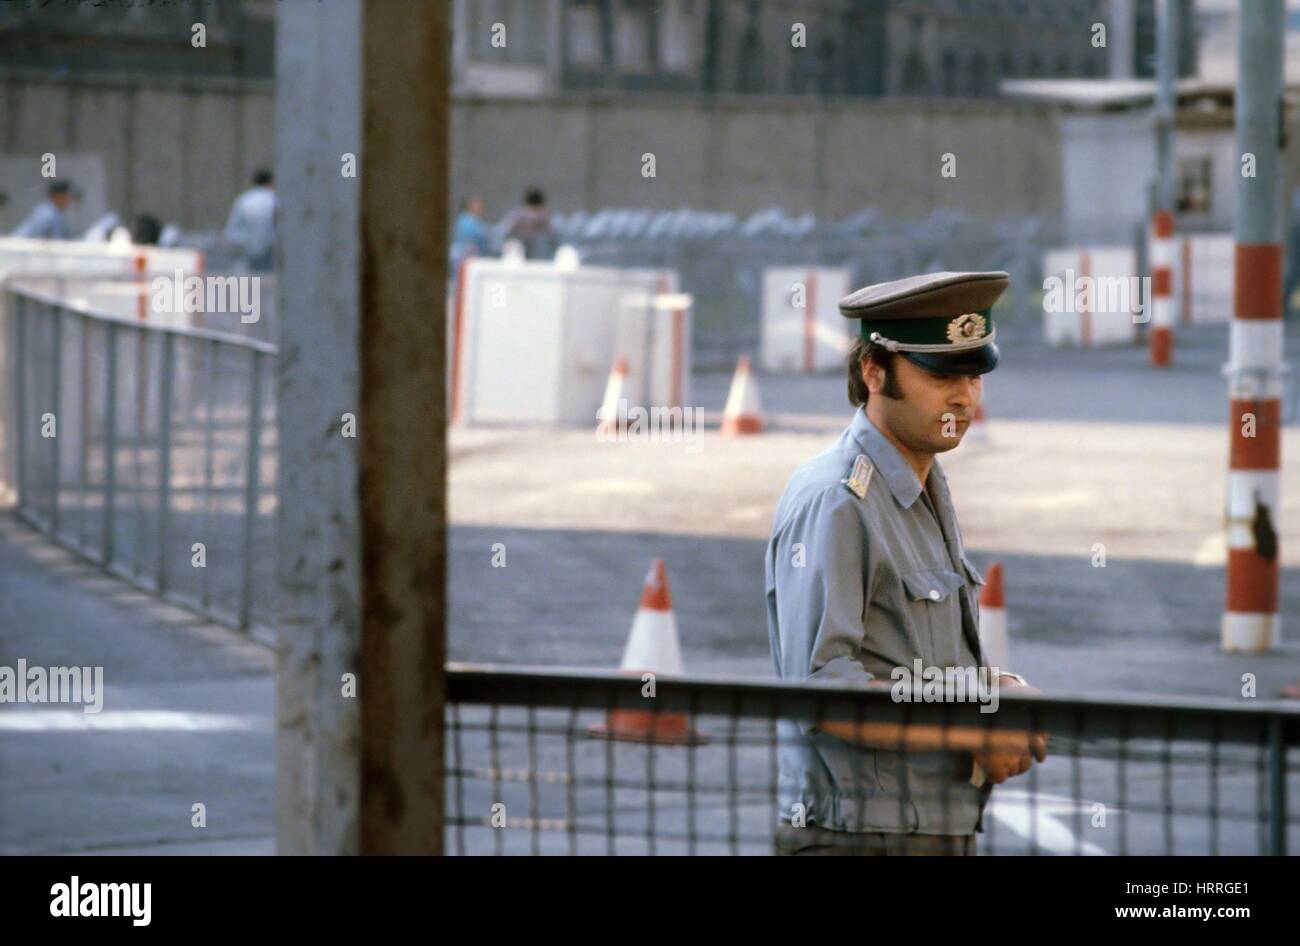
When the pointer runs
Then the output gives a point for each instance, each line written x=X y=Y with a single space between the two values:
x=966 y=327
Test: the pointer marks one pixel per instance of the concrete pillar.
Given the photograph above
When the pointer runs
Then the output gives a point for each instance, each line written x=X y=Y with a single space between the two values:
x=1255 y=363
x=362 y=277
x=1121 y=37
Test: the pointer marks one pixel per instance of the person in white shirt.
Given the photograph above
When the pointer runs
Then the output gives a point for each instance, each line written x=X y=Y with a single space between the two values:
x=251 y=225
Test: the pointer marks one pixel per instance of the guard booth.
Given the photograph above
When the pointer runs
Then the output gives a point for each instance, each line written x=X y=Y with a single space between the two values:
x=533 y=342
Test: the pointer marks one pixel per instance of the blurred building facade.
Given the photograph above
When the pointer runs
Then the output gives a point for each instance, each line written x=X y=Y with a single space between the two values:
x=859 y=48
x=1216 y=26
x=568 y=94
x=114 y=37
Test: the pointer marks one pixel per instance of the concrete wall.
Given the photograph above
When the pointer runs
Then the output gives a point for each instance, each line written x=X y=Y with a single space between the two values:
x=183 y=150
x=743 y=155
x=180 y=150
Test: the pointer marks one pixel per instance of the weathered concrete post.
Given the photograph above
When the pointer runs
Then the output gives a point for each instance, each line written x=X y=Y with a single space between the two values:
x=362 y=277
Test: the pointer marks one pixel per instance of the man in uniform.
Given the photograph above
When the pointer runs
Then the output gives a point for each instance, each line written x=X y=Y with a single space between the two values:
x=866 y=572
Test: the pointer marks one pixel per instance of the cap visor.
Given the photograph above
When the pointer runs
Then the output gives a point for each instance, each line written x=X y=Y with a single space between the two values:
x=970 y=362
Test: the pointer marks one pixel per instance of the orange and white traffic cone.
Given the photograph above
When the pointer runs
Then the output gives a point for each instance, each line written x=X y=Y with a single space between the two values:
x=993 y=619
x=743 y=413
x=652 y=647
x=614 y=406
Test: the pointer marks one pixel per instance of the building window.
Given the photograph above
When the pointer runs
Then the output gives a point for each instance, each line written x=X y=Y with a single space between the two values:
x=582 y=35
x=950 y=85
x=525 y=31
x=633 y=34
x=679 y=35
x=916 y=80
x=1193 y=185
x=977 y=78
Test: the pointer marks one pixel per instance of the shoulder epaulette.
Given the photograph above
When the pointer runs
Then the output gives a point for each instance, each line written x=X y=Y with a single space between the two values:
x=858 y=480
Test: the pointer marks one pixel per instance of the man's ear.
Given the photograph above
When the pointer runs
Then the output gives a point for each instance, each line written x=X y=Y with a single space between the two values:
x=872 y=374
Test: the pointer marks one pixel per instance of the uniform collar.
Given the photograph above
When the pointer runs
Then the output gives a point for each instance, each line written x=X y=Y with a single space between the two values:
x=898 y=473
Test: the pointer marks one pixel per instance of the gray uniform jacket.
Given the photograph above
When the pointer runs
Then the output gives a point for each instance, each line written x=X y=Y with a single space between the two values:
x=880 y=580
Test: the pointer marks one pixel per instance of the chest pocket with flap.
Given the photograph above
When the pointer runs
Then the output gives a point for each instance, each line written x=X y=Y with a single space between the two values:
x=934 y=613
x=935 y=585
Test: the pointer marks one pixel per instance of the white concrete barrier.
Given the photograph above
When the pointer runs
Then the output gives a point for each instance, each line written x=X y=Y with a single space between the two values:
x=1205 y=282
x=533 y=343
x=802 y=329
x=1091 y=296
x=76 y=258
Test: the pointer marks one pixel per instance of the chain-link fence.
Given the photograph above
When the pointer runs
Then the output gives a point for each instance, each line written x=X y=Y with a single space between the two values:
x=528 y=774
x=721 y=258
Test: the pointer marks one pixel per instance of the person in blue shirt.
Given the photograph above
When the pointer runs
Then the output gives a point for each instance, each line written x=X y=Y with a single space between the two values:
x=48 y=221
x=469 y=235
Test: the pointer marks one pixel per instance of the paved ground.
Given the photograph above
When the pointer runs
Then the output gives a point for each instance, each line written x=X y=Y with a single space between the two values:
x=187 y=718
x=580 y=521
x=1084 y=448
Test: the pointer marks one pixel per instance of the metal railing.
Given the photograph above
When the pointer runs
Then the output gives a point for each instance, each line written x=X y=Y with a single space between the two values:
x=148 y=449
x=525 y=774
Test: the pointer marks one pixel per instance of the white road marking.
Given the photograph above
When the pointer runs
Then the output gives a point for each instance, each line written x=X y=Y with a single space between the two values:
x=1035 y=819
x=1213 y=550
x=121 y=720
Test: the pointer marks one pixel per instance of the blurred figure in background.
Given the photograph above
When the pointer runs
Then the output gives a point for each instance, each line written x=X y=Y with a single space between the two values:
x=146 y=230
x=48 y=220
x=469 y=235
x=531 y=225
x=251 y=225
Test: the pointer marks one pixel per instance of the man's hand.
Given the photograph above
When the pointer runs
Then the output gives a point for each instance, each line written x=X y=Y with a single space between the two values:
x=1009 y=761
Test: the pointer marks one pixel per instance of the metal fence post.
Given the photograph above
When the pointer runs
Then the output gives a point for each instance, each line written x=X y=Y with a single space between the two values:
x=56 y=387
x=209 y=435
x=20 y=394
x=110 y=445
x=251 y=484
x=1276 y=788
x=165 y=456
x=137 y=440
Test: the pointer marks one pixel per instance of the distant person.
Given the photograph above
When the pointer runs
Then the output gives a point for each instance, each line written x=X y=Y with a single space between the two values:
x=146 y=230
x=251 y=226
x=469 y=234
x=531 y=225
x=48 y=220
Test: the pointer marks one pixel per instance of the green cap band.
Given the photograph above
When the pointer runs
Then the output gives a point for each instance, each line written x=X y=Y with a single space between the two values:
x=937 y=330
